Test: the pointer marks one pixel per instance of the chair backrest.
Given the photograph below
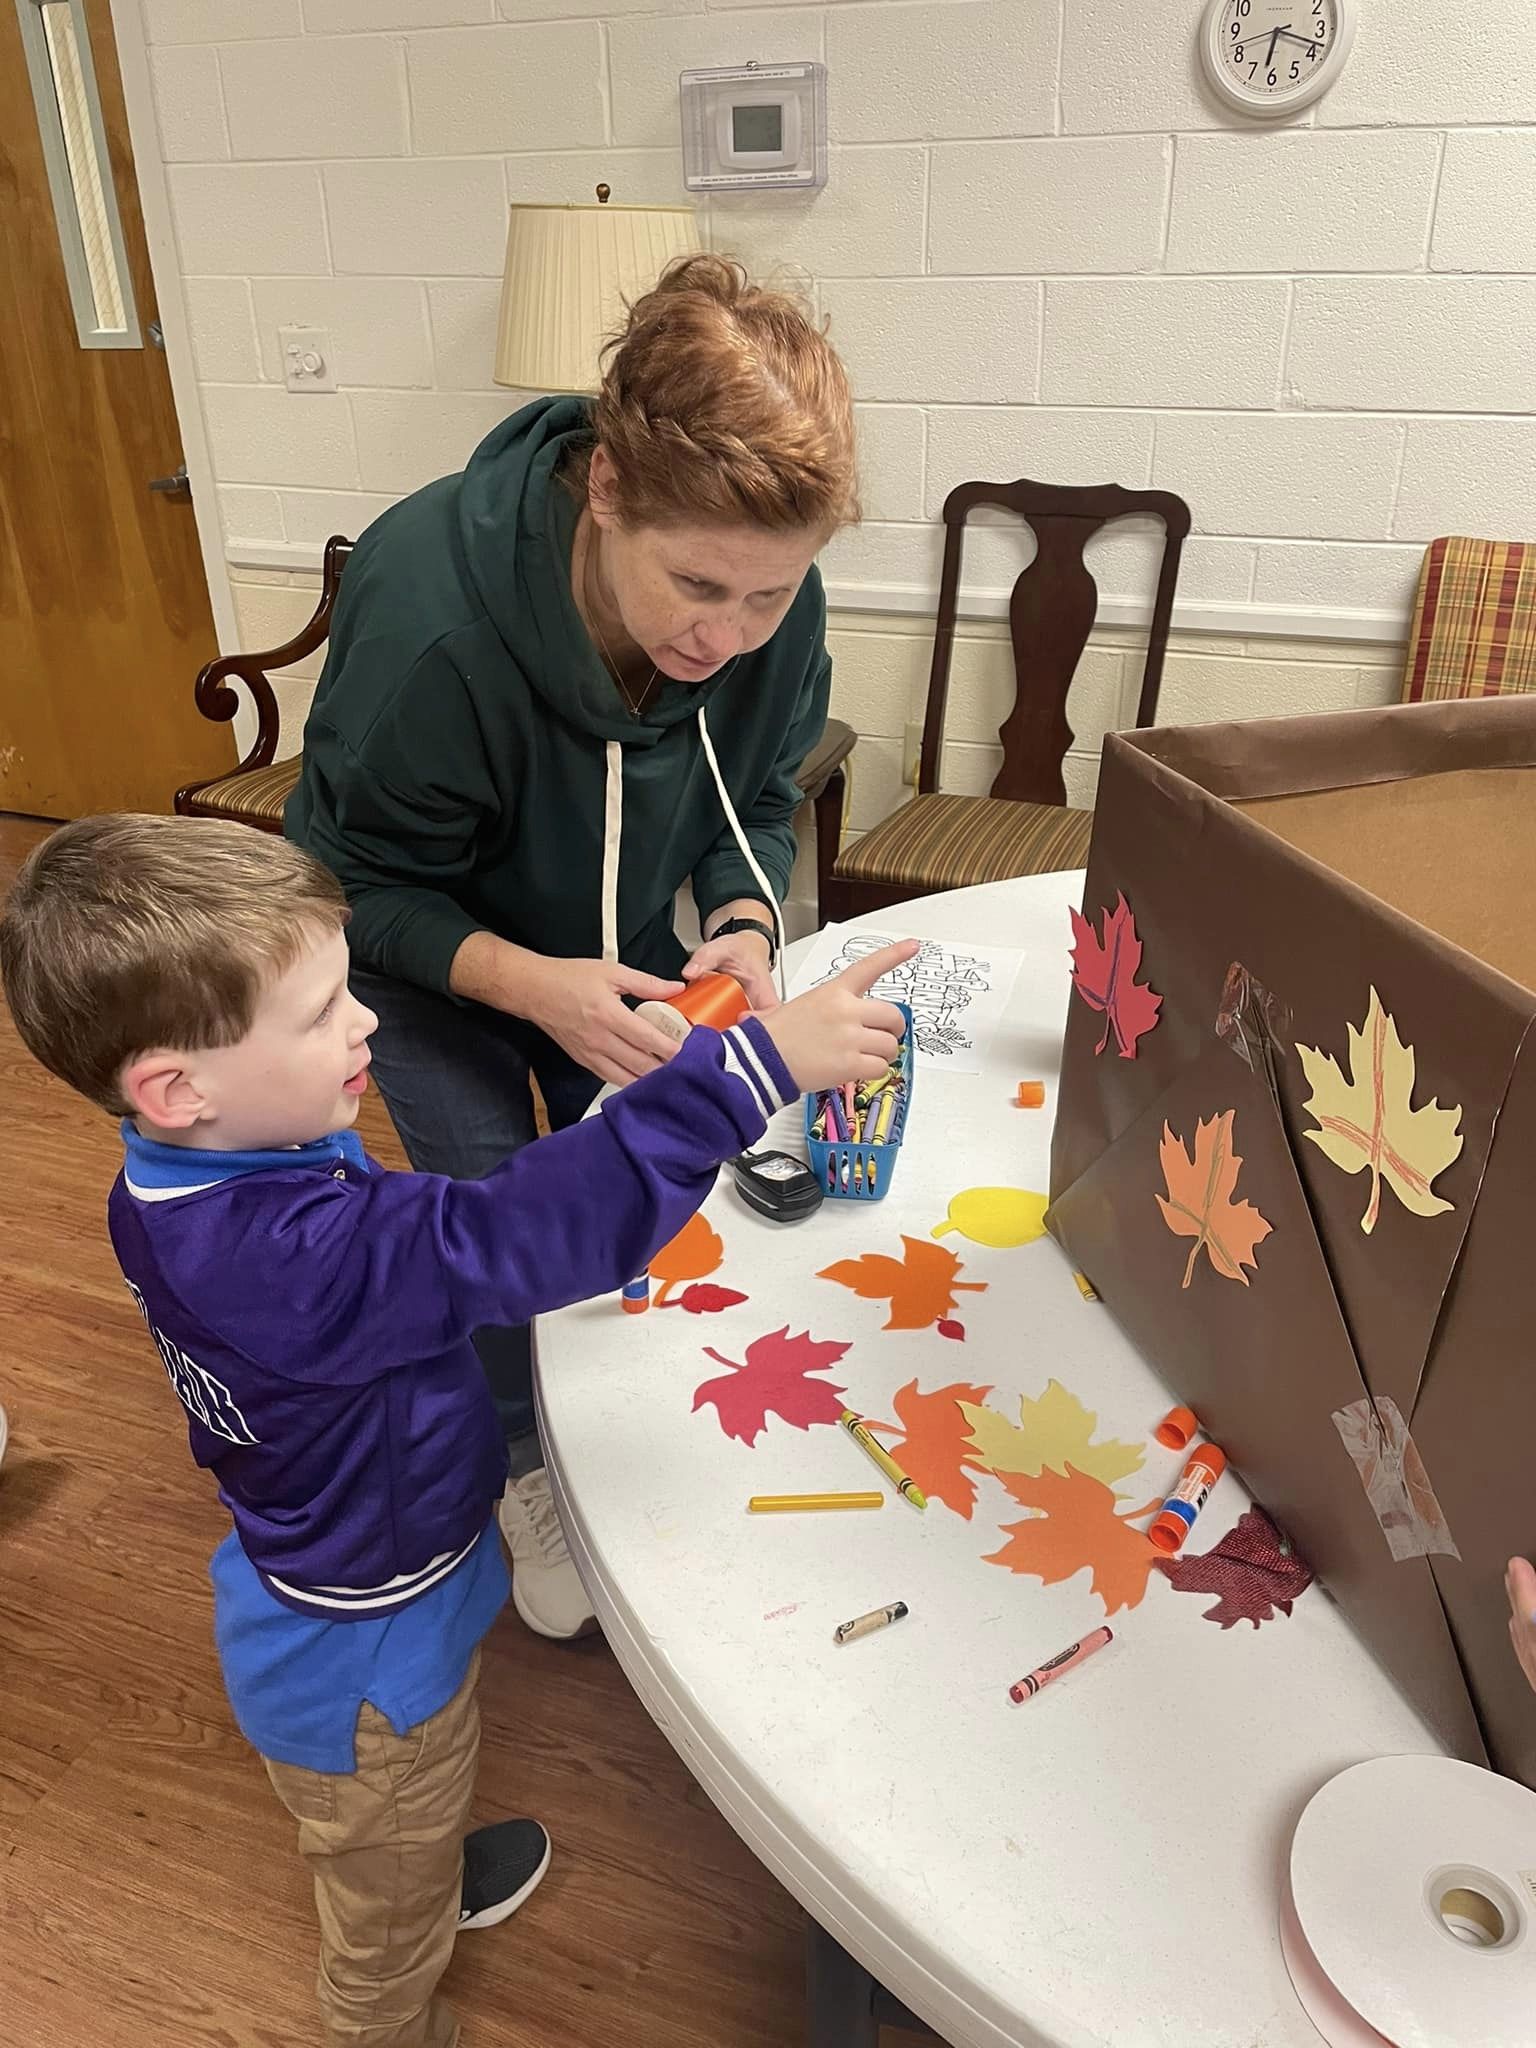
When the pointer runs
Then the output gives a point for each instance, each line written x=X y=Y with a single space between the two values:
x=1051 y=613
x=218 y=701
x=1474 y=621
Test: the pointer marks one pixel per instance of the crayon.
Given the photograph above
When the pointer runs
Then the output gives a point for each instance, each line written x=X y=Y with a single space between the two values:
x=904 y=1485
x=858 y=1173
x=866 y=1624
x=791 y=1503
x=872 y=1182
x=883 y=1120
x=1175 y=1518
x=1056 y=1667
x=636 y=1298
x=835 y=1112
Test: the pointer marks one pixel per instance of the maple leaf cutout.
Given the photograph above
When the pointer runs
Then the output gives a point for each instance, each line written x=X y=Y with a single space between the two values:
x=932 y=1447
x=1199 y=1201
x=774 y=1380
x=1076 y=1528
x=1104 y=975
x=1052 y=1433
x=920 y=1286
x=693 y=1254
x=702 y=1299
x=1369 y=1121
x=1254 y=1575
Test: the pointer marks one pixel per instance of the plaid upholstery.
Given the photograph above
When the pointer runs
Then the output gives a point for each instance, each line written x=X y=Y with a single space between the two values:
x=253 y=796
x=1474 y=621
x=949 y=842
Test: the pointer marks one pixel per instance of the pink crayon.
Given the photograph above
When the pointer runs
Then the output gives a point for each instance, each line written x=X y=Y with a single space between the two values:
x=1045 y=1674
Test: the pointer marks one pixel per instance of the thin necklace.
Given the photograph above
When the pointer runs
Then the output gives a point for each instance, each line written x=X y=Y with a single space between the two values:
x=634 y=704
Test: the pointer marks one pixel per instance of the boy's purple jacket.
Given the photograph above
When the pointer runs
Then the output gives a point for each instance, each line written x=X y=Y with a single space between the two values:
x=315 y=1319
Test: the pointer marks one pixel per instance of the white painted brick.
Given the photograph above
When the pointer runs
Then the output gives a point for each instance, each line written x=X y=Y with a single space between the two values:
x=464 y=313
x=1352 y=578
x=1198 y=689
x=322 y=17
x=223 y=331
x=1412 y=66
x=1486 y=215
x=1468 y=476
x=1020 y=206
x=1124 y=559
x=1155 y=342
x=219 y=21
x=646 y=57
x=999 y=443
x=876 y=786
x=188 y=103
x=639 y=177
x=939 y=339
x=905 y=556
x=315 y=97
x=1123 y=73
x=866 y=222
x=417 y=219
x=1303 y=200
x=1080 y=773
x=498 y=89
x=1418 y=344
x=1284 y=474
x=267 y=436
x=1379 y=687
x=268 y=614
x=250 y=220
x=313 y=516
x=879 y=680
x=1215 y=571
x=965 y=68
x=377 y=326
x=969 y=770
x=251 y=515
x=411 y=439
x=547 y=10
x=891 y=461
x=983 y=685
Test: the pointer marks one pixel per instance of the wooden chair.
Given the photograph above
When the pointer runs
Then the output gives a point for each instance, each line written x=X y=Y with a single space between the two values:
x=256 y=792
x=1474 y=621
x=1024 y=827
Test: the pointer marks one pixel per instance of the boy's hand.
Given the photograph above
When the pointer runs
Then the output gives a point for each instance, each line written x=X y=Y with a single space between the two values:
x=837 y=1032
x=1520 y=1585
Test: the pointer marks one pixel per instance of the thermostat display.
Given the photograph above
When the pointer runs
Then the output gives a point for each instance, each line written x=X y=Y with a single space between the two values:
x=755 y=125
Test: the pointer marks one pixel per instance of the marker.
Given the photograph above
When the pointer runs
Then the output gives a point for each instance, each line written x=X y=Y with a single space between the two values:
x=636 y=1298
x=793 y=1503
x=905 y=1486
x=1175 y=1518
x=866 y=1624
x=1056 y=1667
x=883 y=1120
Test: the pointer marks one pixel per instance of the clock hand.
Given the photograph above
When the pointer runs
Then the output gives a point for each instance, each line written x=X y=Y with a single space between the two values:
x=1279 y=32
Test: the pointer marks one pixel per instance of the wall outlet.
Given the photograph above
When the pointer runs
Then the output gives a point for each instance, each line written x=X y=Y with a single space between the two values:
x=911 y=753
x=306 y=353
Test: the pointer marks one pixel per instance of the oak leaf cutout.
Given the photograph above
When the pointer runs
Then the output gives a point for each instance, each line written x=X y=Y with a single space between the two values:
x=1368 y=1123
x=774 y=1379
x=1052 y=1433
x=920 y=1286
x=1076 y=1527
x=932 y=1447
x=1256 y=1573
x=1199 y=1201
x=1104 y=975
x=693 y=1254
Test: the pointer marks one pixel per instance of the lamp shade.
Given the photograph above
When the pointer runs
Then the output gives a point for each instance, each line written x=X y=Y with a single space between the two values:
x=570 y=272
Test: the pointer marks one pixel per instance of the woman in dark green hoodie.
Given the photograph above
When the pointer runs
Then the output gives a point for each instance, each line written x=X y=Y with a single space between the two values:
x=560 y=686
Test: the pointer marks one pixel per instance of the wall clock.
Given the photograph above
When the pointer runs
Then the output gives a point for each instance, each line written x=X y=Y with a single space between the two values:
x=1267 y=58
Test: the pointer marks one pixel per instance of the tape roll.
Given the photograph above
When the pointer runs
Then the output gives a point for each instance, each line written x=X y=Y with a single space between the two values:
x=1413 y=1880
x=718 y=1000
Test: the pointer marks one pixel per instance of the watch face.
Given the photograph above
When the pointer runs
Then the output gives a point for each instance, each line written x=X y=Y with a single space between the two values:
x=1271 y=49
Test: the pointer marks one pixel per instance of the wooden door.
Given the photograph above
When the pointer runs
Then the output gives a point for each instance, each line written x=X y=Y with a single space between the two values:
x=104 y=617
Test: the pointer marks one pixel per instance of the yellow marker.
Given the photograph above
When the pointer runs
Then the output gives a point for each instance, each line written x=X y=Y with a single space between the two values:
x=883 y=1120
x=907 y=1487
x=791 y=1503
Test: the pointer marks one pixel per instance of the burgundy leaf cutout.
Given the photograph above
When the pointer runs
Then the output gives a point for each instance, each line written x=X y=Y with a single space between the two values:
x=1248 y=1568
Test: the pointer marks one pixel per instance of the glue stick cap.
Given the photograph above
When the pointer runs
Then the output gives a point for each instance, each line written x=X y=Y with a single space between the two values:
x=1177 y=1429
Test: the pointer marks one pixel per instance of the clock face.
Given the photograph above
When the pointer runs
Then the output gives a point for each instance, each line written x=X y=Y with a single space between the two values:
x=1275 y=49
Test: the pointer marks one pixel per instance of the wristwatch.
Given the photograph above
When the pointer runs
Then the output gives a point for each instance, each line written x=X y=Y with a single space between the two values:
x=749 y=924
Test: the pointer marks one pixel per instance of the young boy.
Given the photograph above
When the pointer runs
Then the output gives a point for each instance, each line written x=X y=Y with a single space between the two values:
x=313 y=1314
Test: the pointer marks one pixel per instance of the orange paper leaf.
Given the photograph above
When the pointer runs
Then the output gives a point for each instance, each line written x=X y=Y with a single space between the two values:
x=934 y=1449
x=1076 y=1529
x=920 y=1286
x=1199 y=1203
x=694 y=1253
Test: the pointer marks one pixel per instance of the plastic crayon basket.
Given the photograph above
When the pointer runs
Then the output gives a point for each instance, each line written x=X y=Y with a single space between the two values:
x=849 y=1172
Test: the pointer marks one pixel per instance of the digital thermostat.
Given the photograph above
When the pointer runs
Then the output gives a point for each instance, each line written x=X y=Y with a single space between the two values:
x=755 y=125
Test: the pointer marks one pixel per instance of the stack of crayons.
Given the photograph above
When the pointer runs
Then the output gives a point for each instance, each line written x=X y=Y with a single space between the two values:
x=869 y=1114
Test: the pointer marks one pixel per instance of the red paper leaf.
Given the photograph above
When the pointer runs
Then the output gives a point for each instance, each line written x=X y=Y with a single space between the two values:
x=1104 y=975
x=774 y=1380
x=950 y=1328
x=1254 y=1576
x=703 y=1298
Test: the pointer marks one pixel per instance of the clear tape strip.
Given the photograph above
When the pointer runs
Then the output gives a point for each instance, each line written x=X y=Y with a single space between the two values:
x=1396 y=1484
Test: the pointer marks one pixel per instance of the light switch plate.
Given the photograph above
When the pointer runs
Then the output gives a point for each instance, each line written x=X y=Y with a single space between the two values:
x=306 y=354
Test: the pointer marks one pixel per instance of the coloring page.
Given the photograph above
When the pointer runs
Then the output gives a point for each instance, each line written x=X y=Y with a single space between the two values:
x=957 y=995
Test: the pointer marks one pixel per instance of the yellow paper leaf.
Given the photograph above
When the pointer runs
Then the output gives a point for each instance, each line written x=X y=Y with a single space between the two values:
x=999 y=1217
x=1368 y=1123
x=1051 y=1433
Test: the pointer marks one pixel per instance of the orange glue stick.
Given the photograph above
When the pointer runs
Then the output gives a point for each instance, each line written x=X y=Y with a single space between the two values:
x=1175 y=1518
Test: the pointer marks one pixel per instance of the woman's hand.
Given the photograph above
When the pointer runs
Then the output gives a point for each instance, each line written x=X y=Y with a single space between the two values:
x=577 y=1002
x=1520 y=1585
x=746 y=955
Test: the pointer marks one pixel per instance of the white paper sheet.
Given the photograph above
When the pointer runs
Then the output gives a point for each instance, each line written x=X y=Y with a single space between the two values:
x=957 y=994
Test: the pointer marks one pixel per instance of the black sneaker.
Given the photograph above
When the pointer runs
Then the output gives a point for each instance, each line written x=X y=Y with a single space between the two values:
x=503 y=1864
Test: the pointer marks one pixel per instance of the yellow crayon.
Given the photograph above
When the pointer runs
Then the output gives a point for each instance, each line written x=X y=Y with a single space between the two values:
x=883 y=1120
x=791 y=1503
x=906 y=1486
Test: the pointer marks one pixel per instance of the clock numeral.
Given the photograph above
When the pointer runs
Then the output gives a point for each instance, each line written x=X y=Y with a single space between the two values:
x=1295 y=73
x=1273 y=78
x=1253 y=67
x=1239 y=55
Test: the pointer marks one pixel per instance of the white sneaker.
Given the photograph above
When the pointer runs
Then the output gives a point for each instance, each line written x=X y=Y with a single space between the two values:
x=546 y=1590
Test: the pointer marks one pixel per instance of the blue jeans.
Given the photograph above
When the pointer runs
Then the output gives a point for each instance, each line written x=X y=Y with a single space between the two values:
x=455 y=1079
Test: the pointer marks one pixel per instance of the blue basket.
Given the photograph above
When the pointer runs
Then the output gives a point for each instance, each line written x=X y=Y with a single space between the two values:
x=849 y=1172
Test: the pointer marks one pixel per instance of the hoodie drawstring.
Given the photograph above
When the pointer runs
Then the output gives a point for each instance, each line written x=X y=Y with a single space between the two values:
x=745 y=848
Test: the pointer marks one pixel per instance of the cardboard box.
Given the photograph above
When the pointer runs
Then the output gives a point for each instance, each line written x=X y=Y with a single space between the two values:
x=1369 y=1361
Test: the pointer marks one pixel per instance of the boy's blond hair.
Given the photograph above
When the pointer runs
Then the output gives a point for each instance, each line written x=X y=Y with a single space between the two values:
x=126 y=934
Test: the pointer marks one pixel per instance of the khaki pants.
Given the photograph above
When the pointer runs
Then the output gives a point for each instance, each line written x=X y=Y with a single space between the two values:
x=385 y=1847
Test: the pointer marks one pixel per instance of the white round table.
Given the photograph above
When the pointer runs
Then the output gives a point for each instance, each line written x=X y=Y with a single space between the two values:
x=1095 y=1869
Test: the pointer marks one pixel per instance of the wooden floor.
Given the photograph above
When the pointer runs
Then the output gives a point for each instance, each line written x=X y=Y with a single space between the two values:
x=150 y=1896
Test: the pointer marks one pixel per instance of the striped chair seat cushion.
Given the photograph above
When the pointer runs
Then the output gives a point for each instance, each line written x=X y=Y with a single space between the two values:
x=1474 y=621
x=950 y=842
x=256 y=796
